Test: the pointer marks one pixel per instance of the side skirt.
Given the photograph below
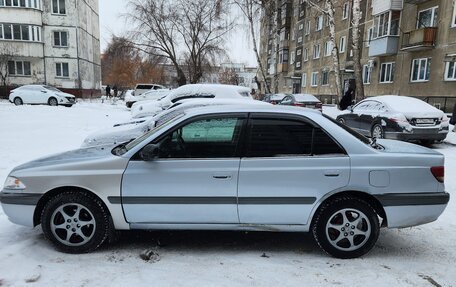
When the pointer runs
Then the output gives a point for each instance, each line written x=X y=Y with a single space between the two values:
x=233 y=227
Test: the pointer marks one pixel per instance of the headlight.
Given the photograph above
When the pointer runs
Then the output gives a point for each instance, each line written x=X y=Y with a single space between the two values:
x=13 y=183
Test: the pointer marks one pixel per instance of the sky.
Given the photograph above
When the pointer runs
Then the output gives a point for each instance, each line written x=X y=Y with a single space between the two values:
x=238 y=43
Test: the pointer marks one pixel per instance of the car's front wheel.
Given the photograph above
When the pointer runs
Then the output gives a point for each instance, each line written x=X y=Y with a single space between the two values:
x=53 y=102
x=18 y=101
x=346 y=227
x=75 y=222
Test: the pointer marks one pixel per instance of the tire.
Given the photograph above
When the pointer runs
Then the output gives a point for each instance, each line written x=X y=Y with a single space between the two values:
x=53 y=102
x=341 y=120
x=349 y=236
x=18 y=101
x=377 y=131
x=75 y=222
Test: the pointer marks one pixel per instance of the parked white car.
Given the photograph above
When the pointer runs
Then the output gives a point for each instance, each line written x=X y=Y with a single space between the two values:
x=192 y=91
x=127 y=131
x=147 y=96
x=142 y=88
x=41 y=94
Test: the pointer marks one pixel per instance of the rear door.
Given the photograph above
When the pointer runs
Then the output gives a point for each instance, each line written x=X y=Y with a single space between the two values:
x=288 y=166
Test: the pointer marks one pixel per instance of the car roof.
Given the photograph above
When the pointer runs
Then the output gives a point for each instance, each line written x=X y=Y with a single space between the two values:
x=251 y=109
x=403 y=103
x=305 y=98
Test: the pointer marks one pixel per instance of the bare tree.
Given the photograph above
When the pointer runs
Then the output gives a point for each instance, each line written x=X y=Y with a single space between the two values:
x=185 y=32
x=7 y=53
x=328 y=10
x=356 y=45
x=252 y=9
x=229 y=77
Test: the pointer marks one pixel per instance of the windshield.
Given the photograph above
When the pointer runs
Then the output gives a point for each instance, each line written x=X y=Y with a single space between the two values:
x=352 y=132
x=123 y=148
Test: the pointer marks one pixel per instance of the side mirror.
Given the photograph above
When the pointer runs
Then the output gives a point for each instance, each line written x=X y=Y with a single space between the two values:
x=150 y=152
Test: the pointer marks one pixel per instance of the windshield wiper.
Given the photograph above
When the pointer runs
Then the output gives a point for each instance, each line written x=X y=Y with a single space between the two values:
x=374 y=144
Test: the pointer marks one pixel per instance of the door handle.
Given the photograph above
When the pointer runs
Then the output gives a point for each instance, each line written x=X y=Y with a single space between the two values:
x=332 y=173
x=221 y=176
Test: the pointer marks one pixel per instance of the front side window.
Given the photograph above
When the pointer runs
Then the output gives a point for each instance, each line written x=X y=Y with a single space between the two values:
x=427 y=18
x=421 y=69
x=62 y=70
x=58 y=7
x=387 y=72
x=208 y=138
x=60 y=39
x=270 y=137
x=450 y=71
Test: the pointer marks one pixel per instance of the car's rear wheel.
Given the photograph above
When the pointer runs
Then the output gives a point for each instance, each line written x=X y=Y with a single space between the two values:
x=377 y=132
x=75 y=222
x=18 y=101
x=346 y=227
x=53 y=102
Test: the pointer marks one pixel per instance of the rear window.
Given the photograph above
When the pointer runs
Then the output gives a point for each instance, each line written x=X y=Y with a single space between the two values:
x=144 y=87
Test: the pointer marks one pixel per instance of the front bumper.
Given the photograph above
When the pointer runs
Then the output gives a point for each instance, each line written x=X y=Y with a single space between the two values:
x=411 y=209
x=20 y=207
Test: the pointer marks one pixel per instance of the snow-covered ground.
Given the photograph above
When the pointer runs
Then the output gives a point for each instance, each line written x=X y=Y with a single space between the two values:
x=420 y=256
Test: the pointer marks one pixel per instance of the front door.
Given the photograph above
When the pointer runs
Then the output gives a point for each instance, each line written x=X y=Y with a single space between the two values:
x=290 y=164
x=194 y=179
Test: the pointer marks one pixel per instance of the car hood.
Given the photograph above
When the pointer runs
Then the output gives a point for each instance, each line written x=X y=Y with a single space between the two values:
x=78 y=155
x=116 y=134
x=394 y=146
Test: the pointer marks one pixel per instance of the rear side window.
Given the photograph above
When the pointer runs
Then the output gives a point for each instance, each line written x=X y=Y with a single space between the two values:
x=277 y=137
x=287 y=137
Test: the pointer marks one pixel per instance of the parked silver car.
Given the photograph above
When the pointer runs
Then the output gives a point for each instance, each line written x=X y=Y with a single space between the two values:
x=233 y=168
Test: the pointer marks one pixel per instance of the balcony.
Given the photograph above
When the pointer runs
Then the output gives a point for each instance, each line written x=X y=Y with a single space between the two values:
x=420 y=39
x=416 y=2
x=384 y=46
x=284 y=44
x=382 y=6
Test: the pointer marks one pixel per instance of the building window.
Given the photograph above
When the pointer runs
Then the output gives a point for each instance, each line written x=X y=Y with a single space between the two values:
x=328 y=48
x=370 y=35
x=21 y=3
x=450 y=71
x=366 y=74
x=283 y=56
x=325 y=78
x=306 y=54
x=453 y=22
x=19 y=68
x=58 y=7
x=292 y=57
x=421 y=69
x=304 y=80
x=18 y=32
x=298 y=64
x=298 y=52
x=301 y=27
x=387 y=24
x=387 y=72
x=300 y=39
x=342 y=42
x=314 y=82
x=60 y=39
x=307 y=27
x=316 y=53
x=345 y=11
x=319 y=23
x=61 y=70
x=427 y=18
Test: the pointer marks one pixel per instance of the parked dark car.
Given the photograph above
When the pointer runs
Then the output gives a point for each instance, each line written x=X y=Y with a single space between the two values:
x=302 y=100
x=397 y=117
x=274 y=98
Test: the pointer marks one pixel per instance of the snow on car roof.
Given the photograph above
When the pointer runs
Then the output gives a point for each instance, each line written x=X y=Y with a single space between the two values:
x=305 y=98
x=405 y=104
x=217 y=90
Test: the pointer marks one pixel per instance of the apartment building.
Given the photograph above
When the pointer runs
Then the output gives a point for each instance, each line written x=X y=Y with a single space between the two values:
x=408 y=48
x=54 y=42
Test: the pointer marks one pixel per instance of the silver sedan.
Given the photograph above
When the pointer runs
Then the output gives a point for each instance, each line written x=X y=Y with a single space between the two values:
x=233 y=168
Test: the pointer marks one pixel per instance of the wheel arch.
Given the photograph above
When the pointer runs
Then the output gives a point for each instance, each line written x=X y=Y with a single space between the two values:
x=369 y=198
x=53 y=192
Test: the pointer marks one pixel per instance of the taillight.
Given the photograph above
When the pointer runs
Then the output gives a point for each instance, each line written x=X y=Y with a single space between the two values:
x=438 y=172
x=318 y=105
x=299 y=104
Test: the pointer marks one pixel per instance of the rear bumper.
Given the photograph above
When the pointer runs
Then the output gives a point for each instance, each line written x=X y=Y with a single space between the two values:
x=411 y=209
x=441 y=135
